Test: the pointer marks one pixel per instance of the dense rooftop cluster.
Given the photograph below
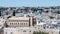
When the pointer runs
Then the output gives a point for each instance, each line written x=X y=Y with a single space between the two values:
x=44 y=19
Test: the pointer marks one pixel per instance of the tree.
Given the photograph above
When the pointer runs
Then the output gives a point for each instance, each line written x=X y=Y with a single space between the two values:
x=34 y=9
x=9 y=17
x=39 y=32
x=0 y=13
x=27 y=9
x=14 y=13
x=51 y=17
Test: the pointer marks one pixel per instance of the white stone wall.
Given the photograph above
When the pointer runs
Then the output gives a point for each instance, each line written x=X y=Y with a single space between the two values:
x=25 y=30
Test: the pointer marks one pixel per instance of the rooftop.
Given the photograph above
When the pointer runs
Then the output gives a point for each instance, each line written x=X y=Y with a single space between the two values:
x=19 y=18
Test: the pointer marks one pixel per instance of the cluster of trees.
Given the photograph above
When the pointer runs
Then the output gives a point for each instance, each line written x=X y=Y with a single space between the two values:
x=51 y=17
x=39 y=32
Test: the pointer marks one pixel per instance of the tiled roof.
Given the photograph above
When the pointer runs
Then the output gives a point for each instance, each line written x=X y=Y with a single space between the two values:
x=19 y=18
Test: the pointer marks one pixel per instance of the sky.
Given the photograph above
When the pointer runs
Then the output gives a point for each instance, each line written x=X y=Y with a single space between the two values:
x=29 y=3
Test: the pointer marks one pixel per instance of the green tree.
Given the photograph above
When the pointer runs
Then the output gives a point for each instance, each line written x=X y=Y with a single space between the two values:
x=39 y=32
x=34 y=9
x=8 y=17
x=51 y=17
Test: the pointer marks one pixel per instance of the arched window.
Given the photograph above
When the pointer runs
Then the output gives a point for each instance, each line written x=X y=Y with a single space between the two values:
x=12 y=23
x=18 y=24
x=24 y=31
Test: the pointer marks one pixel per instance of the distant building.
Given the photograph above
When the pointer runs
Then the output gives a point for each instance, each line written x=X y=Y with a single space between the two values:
x=19 y=30
x=18 y=22
x=2 y=21
x=21 y=25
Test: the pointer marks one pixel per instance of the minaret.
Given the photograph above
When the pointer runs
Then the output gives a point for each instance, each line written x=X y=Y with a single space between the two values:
x=30 y=18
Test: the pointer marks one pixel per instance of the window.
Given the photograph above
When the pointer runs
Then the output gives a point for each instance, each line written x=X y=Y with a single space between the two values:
x=6 y=32
x=52 y=32
x=38 y=21
x=11 y=23
x=18 y=23
x=38 y=28
x=41 y=25
x=30 y=30
x=35 y=27
x=26 y=23
x=24 y=31
x=11 y=33
x=44 y=27
x=18 y=30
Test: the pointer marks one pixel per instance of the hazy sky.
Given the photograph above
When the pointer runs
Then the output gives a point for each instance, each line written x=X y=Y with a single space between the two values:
x=29 y=3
